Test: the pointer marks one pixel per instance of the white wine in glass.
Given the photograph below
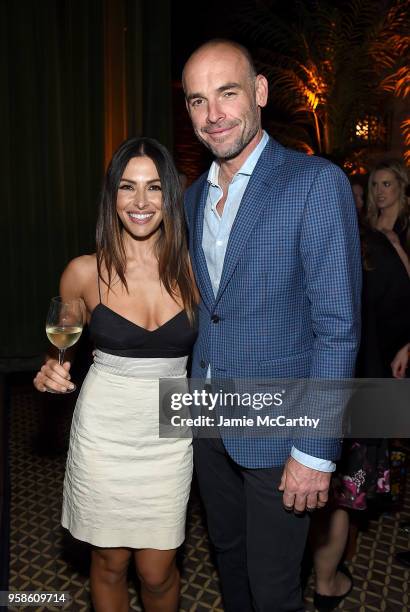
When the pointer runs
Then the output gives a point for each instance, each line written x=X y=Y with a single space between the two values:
x=65 y=321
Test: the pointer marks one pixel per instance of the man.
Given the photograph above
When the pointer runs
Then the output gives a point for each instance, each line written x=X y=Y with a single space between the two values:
x=275 y=251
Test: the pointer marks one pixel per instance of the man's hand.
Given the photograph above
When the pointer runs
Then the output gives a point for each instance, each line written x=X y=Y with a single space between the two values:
x=303 y=488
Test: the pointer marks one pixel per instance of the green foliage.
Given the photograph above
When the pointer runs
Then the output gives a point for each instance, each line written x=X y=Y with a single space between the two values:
x=330 y=65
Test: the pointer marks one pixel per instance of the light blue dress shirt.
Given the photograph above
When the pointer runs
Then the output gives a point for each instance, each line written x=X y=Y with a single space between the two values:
x=215 y=238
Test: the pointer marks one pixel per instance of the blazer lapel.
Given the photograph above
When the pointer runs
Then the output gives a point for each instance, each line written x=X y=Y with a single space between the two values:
x=198 y=255
x=254 y=200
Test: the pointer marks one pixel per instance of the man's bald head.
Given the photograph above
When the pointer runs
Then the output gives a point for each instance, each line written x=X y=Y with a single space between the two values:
x=224 y=97
x=217 y=45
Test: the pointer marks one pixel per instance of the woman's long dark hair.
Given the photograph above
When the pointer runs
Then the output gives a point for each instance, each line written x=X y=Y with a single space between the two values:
x=171 y=246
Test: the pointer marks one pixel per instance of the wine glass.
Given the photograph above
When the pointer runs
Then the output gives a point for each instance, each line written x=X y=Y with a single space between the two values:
x=64 y=324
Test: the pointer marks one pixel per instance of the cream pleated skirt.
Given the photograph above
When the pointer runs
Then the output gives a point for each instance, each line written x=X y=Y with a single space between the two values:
x=124 y=485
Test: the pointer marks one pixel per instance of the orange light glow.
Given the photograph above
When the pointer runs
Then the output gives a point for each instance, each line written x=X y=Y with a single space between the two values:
x=362 y=129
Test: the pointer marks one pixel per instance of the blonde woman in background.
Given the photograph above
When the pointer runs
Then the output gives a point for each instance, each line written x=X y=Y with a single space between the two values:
x=364 y=469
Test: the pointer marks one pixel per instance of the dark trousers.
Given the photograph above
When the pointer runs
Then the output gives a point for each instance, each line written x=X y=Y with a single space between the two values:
x=259 y=546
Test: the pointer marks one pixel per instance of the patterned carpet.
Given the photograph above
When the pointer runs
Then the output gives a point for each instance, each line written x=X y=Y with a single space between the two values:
x=44 y=557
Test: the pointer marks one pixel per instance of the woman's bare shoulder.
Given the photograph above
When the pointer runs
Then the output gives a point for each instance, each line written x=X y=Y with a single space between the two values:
x=77 y=275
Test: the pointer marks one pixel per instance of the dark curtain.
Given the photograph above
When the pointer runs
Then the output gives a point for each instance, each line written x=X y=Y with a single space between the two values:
x=51 y=76
x=157 y=71
x=53 y=139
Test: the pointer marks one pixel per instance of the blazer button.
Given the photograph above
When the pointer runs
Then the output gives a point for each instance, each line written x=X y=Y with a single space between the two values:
x=202 y=364
x=215 y=318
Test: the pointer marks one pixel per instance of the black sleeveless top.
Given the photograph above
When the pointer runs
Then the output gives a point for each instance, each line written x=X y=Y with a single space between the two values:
x=116 y=335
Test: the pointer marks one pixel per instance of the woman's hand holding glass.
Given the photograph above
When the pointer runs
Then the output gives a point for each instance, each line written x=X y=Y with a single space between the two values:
x=54 y=377
x=65 y=320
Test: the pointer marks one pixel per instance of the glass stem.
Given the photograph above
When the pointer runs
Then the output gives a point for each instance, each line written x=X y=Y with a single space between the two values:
x=61 y=353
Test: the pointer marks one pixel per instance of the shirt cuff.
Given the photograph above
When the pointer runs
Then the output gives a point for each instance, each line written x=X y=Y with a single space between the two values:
x=322 y=465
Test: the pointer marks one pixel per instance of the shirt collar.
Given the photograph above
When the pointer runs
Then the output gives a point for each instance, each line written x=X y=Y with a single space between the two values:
x=247 y=167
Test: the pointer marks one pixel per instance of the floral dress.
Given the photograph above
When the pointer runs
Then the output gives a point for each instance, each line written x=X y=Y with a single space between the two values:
x=368 y=473
x=373 y=466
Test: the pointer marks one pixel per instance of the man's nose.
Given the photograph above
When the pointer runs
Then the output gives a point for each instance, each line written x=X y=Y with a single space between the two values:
x=215 y=112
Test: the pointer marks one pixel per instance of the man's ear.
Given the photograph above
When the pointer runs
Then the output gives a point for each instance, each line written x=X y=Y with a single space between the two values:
x=261 y=90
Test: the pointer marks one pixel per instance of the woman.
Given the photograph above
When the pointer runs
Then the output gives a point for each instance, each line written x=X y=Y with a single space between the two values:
x=364 y=469
x=388 y=207
x=358 y=184
x=126 y=490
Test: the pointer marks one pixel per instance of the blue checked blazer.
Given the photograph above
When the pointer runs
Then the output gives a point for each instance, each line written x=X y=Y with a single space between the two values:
x=288 y=304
